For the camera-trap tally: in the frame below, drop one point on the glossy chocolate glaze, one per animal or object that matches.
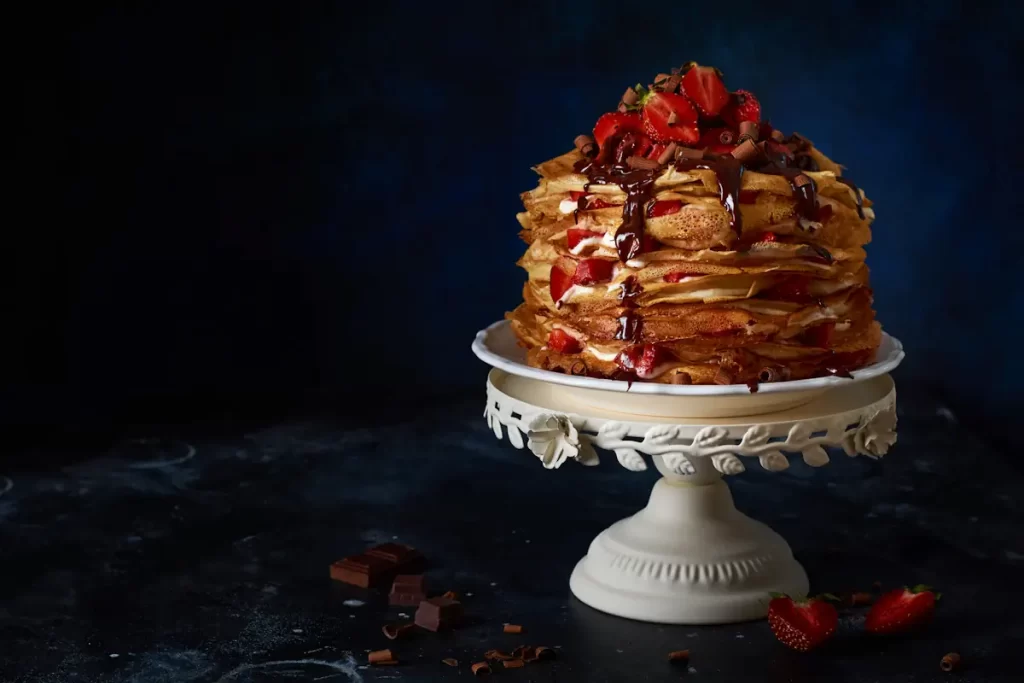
(729, 172)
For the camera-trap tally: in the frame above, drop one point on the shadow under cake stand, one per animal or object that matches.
(689, 557)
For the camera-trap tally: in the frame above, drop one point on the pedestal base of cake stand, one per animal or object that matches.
(689, 557)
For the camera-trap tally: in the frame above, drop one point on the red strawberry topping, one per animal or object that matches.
(794, 288)
(670, 118)
(801, 624)
(704, 86)
(748, 196)
(560, 283)
(642, 359)
(593, 270)
(591, 203)
(563, 342)
(901, 610)
(678, 276)
(664, 208)
(573, 236)
(820, 335)
(743, 106)
(614, 125)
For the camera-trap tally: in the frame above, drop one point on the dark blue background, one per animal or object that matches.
(262, 208)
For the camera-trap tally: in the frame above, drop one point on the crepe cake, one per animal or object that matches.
(688, 241)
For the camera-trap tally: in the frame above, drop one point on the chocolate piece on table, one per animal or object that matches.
(437, 614)
(408, 590)
(365, 571)
(406, 559)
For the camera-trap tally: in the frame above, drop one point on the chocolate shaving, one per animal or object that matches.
(861, 598)
(512, 628)
(497, 655)
(543, 652)
(801, 180)
(672, 119)
(778, 136)
(689, 153)
(450, 661)
(578, 369)
(682, 378)
(679, 656)
(586, 145)
(749, 129)
(630, 97)
(723, 376)
(521, 651)
(481, 669)
(746, 151)
(451, 595)
(514, 663)
(394, 631)
(672, 84)
(642, 163)
(769, 374)
(950, 661)
(622, 108)
(382, 657)
(668, 154)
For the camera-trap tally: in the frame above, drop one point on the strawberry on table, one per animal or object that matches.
(801, 624)
(703, 85)
(670, 118)
(743, 106)
(901, 610)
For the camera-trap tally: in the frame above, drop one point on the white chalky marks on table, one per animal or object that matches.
(353, 603)
(189, 453)
(298, 669)
(6, 484)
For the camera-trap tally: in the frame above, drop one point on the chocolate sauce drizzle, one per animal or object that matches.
(856, 191)
(630, 326)
(729, 172)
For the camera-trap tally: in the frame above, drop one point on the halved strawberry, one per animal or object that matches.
(664, 208)
(680, 275)
(563, 342)
(704, 86)
(801, 624)
(901, 610)
(560, 282)
(748, 196)
(615, 124)
(670, 118)
(642, 359)
(573, 236)
(649, 244)
(820, 335)
(593, 270)
(743, 106)
(592, 202)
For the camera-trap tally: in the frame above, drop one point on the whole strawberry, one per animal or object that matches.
(801, 624)
(901, 610)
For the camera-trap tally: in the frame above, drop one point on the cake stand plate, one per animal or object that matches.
(689, 557)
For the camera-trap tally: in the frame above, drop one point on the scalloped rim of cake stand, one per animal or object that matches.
(496, 345)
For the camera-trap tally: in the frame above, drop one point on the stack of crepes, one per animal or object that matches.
(689, 242)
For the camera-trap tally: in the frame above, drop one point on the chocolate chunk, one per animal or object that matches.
(630, 97)
(679, 656)
(408, 590)
(669, 154)
(382, 657)
(437, 614)
(512, 628)
(405, 556)
(689, 153)
(365, 571)
(637, 162)
(748, 130)
(746, 151)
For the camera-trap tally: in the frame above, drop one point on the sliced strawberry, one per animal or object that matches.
(820, 335)
(591, 202)
(593, 270)
(573, 236)
(629, 357)
(664, 208)
(678, 276)
(560, 282)
(704, 86)
(657, 149)
(642, 359)
(649, 243)
(901, 610)
(615, 124)
(670, 118)
(795, 288)
(743, 106)
(748, 196)
(563, 342)
(801, 624)
(824, 212)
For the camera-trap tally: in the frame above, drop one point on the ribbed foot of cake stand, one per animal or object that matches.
(688, 557)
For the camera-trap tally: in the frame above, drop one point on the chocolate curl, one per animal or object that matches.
(497, 655)
(481, 669)
(682, 378)
(802, 180)
(395, 631)
(543, 652)
(585, 145)
(746, 151)
(668, 154)
(630, 98)
(672, 119)
(723, 376)
(524, 652)
(636, 162)
(672, 83)
(777, 135)
(861, 598)
(512, 628)
(450, 661)
(382, 657)
(679, 656)
(578, 369)
(726, 137)
(622, 108)
(451, 595)
(748, 130)
(689, 153)
(950, 661)
(514, 663)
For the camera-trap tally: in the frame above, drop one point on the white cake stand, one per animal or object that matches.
(689, 557)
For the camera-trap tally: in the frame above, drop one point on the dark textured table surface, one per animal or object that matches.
(184, 558)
